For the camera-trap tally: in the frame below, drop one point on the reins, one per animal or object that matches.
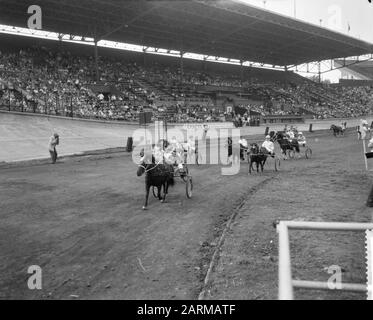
(146, 171)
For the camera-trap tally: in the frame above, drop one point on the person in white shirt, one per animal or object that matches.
(244, 145)
(190, 149)
(364, 130)
(174, 154)
(269, 145)
(290, 134)
(158, 154)
(301, 139)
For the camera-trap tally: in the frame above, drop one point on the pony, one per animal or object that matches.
(285, 144)
(159, 175)
(256, 155)
(337, 130)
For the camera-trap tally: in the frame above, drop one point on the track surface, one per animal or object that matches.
(81, 221)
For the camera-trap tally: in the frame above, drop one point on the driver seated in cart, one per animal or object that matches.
(174, 154)
(268, 146)
(301, 139)
(158, 154)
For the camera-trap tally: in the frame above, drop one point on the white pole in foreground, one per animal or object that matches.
(285, 278)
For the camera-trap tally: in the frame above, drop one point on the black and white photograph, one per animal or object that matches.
(188, 155)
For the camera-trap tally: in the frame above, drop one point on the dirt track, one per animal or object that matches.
(82, 222)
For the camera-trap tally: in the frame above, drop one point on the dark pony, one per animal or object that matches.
(258, 156)
(337, 130)
(284, 143)
(156, 175)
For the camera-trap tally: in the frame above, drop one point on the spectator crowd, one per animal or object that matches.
(60, 83)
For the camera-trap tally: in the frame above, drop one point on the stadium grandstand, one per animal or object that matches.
(190, 61)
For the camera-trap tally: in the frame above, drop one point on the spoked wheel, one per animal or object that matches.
(308, 153)
(189, 187)
(277, 164)
(185, 174)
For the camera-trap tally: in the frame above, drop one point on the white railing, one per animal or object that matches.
(286, 282)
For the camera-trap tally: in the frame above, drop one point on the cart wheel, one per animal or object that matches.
(308, 153)
(277, 164)
(184, 176)
(189, 187)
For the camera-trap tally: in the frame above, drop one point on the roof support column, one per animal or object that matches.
(204, 64)
(319, 71)
(96, 61)
(144, 56)
(143, 50)
(241, 71)
(181, 67)
(60, 35)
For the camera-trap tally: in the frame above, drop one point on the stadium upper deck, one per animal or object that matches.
(226, 28)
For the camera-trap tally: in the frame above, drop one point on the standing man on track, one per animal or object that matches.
(365, 130)
(53, 142)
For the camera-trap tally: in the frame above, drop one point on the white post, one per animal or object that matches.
(285, 278)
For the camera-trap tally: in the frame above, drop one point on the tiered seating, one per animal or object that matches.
(39, 80)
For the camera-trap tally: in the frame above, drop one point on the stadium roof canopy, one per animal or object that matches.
(224, 28)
